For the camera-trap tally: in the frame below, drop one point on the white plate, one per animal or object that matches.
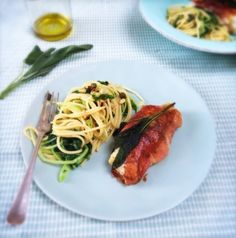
(91, 190)
(154, 13)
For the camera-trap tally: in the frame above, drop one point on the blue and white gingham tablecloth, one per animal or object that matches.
(117, 31)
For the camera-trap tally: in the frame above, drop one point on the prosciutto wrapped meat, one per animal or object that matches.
(152, 144)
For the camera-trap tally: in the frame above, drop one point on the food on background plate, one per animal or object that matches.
(225, 10)
(143, 141)
(85, 119)
(208, 19)
(198, 23)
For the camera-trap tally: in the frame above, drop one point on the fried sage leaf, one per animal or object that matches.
(128, 139)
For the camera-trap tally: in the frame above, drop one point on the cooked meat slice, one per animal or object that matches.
(153, 146)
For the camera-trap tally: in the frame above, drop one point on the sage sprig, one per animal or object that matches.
(127, 140)
(41, 63)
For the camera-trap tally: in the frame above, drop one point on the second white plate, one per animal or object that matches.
(154, 13)
(91, 190)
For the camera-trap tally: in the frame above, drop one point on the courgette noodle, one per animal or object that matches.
(87, 117)
(198, 22)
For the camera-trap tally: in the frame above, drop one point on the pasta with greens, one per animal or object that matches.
(87, 117)
(198, 23)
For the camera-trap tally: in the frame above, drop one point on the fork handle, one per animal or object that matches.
(17, 212)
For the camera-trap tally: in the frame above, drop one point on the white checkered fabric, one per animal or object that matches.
(117, 31)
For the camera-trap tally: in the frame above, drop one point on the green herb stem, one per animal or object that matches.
(14, 84)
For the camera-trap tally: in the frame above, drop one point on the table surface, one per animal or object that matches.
(117, 31)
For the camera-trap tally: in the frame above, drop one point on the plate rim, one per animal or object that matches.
(174, 39)
(102, 218)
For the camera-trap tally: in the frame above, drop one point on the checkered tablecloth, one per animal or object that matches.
(117, 31)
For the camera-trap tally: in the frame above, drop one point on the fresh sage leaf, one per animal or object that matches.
(33, 55)
(42, 62)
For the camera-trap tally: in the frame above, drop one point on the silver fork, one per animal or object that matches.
(17, 212)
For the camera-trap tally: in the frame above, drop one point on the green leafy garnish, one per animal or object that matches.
(68, 161)
(64, 171)
(104, 82)
(134, 105)
(33, 55)
(102, 97)
(41, 63)
(49, 140)
(124, 111)
(71, 143)
(128, 139)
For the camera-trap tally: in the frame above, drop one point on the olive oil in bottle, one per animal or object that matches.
(52, 26)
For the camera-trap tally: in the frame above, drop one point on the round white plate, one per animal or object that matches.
(91, 190)
(154, 13)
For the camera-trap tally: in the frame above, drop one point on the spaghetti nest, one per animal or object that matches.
(91, 113)
(87, 117)
(198, 23)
